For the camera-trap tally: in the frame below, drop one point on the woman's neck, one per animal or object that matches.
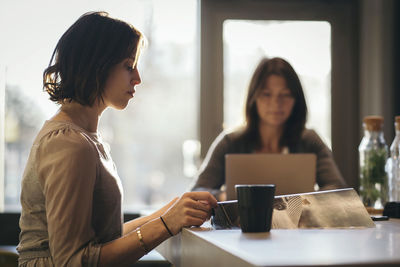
(83, 116)
(269, 138)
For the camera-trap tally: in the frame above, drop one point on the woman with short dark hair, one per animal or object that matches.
(276, 113)
(71, 194)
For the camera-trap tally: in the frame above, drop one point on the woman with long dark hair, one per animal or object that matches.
(276, 114)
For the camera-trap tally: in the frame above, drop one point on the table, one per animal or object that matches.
(204, 246)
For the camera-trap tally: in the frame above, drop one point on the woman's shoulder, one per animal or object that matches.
(309, 134)
(310, 138)
(60, 134)
(233, 141)
(233, 134)
(230, 136)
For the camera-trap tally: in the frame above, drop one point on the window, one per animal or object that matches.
(147, 138)
(247, 41)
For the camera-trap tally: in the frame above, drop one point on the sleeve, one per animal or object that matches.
(328, 174)
(211, 174)
(67, 166)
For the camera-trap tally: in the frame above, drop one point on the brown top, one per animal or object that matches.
(71, 198)
(373, 123)
(211, 176)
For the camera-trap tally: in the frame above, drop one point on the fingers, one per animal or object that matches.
(185, 215)
(203, 197)
(197, 209)
(192, 209)
(199, 205)
(198, 214)
(196, 201)
(193, 221)
(194, 217)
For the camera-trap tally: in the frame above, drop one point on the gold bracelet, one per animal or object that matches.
(142, 244)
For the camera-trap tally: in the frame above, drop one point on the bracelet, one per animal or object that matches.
(142, 244)
(169, 231)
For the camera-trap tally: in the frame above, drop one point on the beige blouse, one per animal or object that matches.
(71, 198)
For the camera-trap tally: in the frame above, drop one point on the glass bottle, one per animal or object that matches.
(394, 164)
(373, 153)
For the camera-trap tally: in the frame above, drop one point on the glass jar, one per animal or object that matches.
(373, 153)
(394, 164)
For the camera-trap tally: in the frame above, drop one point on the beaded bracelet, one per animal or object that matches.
(142, 244)
(169, 231)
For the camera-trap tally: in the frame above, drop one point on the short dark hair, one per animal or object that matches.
(84, 56)
(296, 122)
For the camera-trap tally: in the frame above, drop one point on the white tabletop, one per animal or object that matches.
(378, 246)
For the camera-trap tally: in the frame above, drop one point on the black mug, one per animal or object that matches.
(255, 203)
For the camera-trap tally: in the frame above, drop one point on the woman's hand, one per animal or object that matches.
(191, 209)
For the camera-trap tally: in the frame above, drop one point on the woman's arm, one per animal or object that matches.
(66, 167)
(133, 224)
(192, 209)
(328, 174)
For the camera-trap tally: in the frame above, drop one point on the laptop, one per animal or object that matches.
(291, 173)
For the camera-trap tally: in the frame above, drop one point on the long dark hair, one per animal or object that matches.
(85, 55)
(295, 124)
